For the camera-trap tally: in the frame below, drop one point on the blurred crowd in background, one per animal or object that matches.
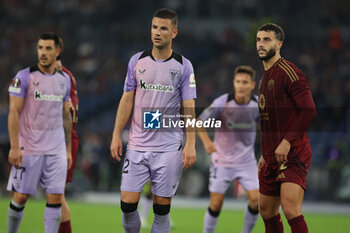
(101, 35)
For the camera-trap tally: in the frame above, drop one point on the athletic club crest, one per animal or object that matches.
(173, 74)
(63, 86)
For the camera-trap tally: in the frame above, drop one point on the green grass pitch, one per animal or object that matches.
(103, 218)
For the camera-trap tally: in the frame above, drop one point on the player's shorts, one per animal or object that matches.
(221, 177)
(163, 169)
(295, 171)
(75, 146)
(50, 170)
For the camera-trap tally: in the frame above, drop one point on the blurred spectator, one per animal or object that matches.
(336, 163)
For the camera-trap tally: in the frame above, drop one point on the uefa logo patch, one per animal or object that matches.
(151, 120)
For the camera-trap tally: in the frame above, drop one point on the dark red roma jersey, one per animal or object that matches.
(286, 107)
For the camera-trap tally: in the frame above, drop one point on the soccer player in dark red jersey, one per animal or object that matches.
(286, 111)
(65, 226)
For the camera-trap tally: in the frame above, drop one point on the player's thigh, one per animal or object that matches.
(54, 198)
(54, 174)
(291, 199)
(130, 197)
(216, 201)
(25, 178)
(220, 179)
(253, 197)
(20, 198)
(135, 171)
(269, 205)
(166, 171)
(161, 200)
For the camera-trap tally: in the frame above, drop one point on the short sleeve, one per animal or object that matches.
(188, 82)
(68, 83)
(130, 80)
(19, 84)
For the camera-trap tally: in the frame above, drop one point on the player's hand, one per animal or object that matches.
(15, 157)
(116, 148)
(209, 147)
(282, 151)
(70, 105)
(69, 159)
(188, 156)
(261, 163)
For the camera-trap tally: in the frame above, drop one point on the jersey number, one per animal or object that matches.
(21, 172)
(127, 163)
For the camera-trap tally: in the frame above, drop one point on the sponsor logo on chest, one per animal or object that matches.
(48, 97)
(155, 87)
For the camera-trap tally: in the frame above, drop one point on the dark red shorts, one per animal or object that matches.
(295, 170)
(70, 172)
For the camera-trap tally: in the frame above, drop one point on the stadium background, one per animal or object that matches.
(100, 36)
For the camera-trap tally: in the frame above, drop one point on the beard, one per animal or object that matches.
(268, 55)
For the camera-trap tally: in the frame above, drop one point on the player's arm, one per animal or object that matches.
(124, 110)
(213, 111)
(208, 144)
(67, 125)
(189, 152)
(296, 126)
(16, 106)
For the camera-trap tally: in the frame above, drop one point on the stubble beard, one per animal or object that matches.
(270, 54)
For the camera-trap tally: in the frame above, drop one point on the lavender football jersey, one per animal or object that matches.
(158, 85)
(41, 123)
(234, 142)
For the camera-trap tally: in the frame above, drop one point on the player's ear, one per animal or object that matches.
(279, 44)
(58, 51)
(175, 32)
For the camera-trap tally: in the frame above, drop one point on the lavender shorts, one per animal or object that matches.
(163, 169)
(50, 170)
(221, 177)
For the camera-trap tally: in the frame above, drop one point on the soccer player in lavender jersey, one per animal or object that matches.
(233, 147)
(163, 79)
(65, 226)
(40, 126)
(286, 110)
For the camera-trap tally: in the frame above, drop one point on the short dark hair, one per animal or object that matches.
(165, 13)
(245, 69)
(60, 45)
(279, 33)
(50, 36)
